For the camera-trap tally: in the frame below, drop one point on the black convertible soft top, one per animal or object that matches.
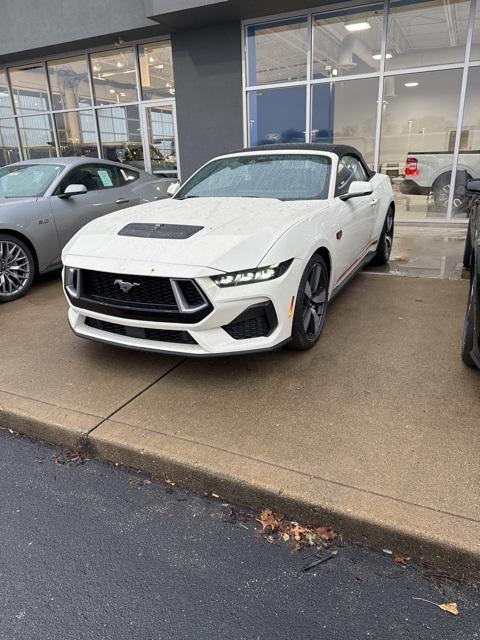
(339, 149)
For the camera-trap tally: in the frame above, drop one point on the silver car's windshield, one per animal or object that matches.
(27, 180)
(280, 176)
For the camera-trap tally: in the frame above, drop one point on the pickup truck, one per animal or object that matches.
(430, 173)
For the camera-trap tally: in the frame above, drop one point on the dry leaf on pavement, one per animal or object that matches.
(270, 520)
(402, 560)
(449, 607)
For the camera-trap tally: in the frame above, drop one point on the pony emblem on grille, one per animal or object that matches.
(125, 287)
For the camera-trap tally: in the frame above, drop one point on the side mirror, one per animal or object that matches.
(473, 186)
(73, 190)
(173, 188)
(358, 188)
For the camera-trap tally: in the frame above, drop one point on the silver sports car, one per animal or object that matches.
(43, 203)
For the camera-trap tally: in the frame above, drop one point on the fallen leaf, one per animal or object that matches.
(325, 533)
(449, 607)
(285, 537)
(402, 560)
(270, 520)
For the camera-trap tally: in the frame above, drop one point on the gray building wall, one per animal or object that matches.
(207, 65)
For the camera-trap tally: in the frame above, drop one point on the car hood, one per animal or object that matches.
(235, 233)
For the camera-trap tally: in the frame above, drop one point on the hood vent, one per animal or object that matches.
(159, 231)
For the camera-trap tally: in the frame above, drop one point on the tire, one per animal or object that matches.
(385, 242)
(467, 254)
(468, 339)
(17, 268)
(441, 194)
(311, 305)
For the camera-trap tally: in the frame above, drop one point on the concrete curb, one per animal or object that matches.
(426, 535)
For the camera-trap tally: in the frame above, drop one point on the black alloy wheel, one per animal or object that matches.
(468, 340)
(385, 243)
(311, 305)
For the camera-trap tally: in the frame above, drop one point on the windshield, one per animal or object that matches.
(280, 176)
(27, 180)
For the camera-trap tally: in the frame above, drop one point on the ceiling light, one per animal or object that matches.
(378, 56)
(112, 90)
(151, 59)
(358, 26)
(411, 84)
(159, 66)
(119, 64)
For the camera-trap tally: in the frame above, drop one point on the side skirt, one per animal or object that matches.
(344, 283)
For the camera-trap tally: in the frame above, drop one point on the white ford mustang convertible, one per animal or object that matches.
(245, 256)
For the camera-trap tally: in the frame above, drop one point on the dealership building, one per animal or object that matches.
(167, 84)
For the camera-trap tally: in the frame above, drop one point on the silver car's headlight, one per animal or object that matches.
(260, 274)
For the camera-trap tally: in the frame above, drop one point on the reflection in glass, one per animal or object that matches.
(347, 42)
(5, 102)
(344, 112)
(114, 77)
(8, 142)
(36, 137)
(475, 51)
(156, 70)
(277, 115)
(426, 33)
(69, 83)
(120, 135)
(76, 133)
(277, 51)
(469, 158)
(29, 88)
(418, 137)
(161, 140)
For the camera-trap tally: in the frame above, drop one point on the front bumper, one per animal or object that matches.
(219, 333)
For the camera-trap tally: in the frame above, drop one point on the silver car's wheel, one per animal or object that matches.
(16, 268)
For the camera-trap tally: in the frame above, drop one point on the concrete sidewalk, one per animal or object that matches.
(375, 431)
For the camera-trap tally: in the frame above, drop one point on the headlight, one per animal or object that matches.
(252, 275)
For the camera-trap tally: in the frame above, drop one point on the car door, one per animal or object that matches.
(356, 218)
(105, 193)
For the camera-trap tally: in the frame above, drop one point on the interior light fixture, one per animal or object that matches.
(112, 90)
(411, 84)
(119, 64)
(378, 56)
(358, 26)
(151, 59)
(159, 66)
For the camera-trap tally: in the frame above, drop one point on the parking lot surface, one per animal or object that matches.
(374, 430)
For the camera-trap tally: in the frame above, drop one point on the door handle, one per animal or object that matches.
(373, 202)
(122, 201)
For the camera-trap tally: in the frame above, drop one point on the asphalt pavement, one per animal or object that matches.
(95, 551)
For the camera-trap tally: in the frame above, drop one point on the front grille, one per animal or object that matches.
(147, 298)
(146, 290)
(158, 335)
(258, 321)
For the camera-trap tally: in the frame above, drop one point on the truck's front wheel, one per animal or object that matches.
(441, 195)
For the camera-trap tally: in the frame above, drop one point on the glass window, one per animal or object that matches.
(94, 177)
(469, 158)
(5, 102)
(36, 136)
(29, 181)
(475, 51)
(349, 170)
(120, 135)
(29, 88)
(114, 77)
(8, 142)
(156, 70)
(345, 112)
(283, 176)
(277, 51)
(418, 136)
(69, 83)
(347, 42)
(426, 33)
(277, 115)
(76, 133)
(161, 140)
